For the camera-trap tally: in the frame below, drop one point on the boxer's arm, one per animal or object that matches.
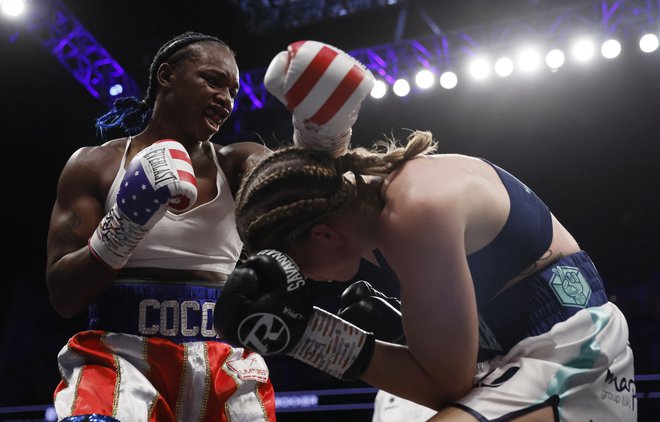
(394, 369)
(423, 240)
(74, 276)
(265, 307)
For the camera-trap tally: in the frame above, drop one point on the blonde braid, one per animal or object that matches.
(305, 170)
(373, 163)
(286, 194)
(295, 188)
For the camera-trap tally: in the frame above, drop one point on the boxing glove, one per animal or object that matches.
(265, 307)
(159, 177)
(372, 311)
(323, 88)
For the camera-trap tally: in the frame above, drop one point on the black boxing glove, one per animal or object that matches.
(265, 307)
(372, 311)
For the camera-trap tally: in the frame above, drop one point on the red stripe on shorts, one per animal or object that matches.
(266, 394)
(165, 363)
(97, 389)
(338, 98)
(310, 76)
(222, 386)
(161, 411)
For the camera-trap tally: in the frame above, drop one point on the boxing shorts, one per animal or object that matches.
(554, 339)
(151, 354)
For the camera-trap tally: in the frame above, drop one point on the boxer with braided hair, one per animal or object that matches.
(504, 316)
(310, 186)
(143, 236)
(130, 115)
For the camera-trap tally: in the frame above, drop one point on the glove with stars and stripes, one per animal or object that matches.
(159, 177)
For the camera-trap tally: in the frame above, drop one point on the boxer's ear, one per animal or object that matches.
(324, 233)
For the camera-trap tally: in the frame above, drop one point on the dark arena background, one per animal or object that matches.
(583, 132)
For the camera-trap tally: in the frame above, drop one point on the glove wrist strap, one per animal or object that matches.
(334, 145)
(115, 238)
(334, 346)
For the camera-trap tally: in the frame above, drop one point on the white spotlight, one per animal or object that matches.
(424, 78)
(583, 50)
(379, 90)
(555, 59)
(401, 87)
(528, 60)
(479, 68)
(13, 7)
(504, 67)
(610, 49)
(448, 80)
(648, 43)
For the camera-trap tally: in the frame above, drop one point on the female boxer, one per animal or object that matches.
(505, 317)
(143, 235)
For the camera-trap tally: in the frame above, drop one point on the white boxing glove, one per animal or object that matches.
(159, 177)
(324, 88)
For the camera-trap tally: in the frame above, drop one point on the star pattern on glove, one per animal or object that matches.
(141, 204)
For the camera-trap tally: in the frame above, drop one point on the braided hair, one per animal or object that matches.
(129, 115)
(295, 188)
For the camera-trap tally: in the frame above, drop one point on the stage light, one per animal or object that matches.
(401, 87)
(648, 43)
(504, 67)
(610, 49)
(583, 50)
(479, 68)
(448, 80)
(379, 90)
(555, 59)
(13, 8)
(424, 78)
(528, 60)
(116, 89)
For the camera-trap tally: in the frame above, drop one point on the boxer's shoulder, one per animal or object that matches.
(237, 158)
(105, 154)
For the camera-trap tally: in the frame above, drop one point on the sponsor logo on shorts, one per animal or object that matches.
(252, 368)
(623, 393)
(570, 286)
(487, 381)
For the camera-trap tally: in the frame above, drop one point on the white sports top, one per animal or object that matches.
(203, 238)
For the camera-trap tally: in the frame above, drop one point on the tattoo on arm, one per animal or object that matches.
(67, 232)
(543, 261)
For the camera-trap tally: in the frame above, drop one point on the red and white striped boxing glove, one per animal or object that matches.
(324, 88)
(159, 177)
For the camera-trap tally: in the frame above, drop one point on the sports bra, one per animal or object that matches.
(203, 238)
(525, 237)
